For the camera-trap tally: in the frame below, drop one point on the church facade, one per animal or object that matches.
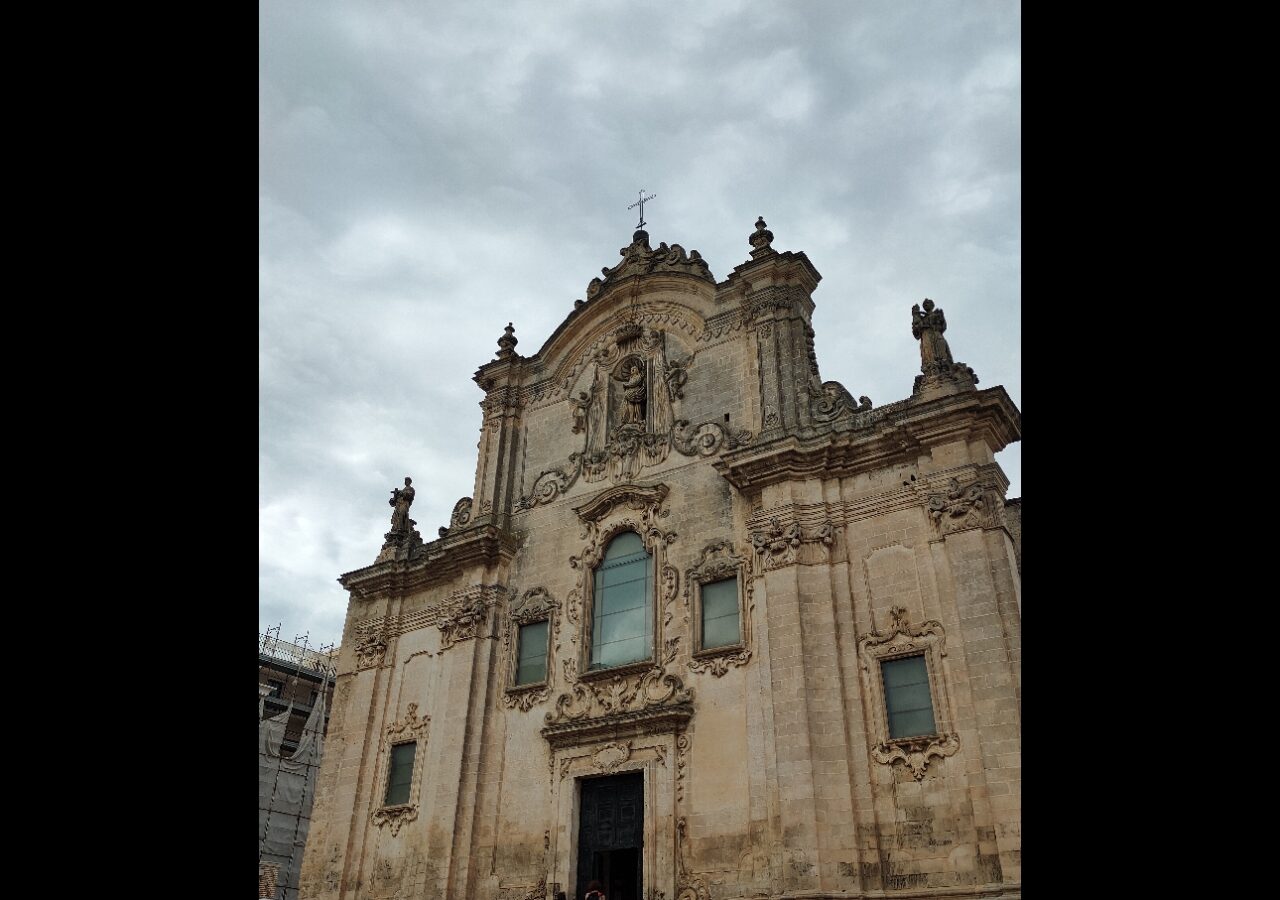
(708, 627)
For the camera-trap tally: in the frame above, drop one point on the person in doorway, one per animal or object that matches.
(595, 891)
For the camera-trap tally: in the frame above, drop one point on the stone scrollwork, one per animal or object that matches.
(469, 616)
(638, 258)
(778, 545)
(689, 885)
(410, 728)
(903, 639)
(611, 755)
(620, 694)
(972, 506)
(371, 643)
(915, 752)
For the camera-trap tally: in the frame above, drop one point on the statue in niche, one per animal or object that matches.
(927, 327)
(401, 500)
(633, 394)
(582, 409)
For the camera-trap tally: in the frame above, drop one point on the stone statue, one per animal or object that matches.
(633, 391)
(401, 500)
(581, 409)
(927, 327)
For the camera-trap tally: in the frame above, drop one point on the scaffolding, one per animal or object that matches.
(287, 781)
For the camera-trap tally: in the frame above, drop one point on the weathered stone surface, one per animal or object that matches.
(693, 413)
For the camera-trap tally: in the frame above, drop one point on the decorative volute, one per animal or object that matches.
(639, 259)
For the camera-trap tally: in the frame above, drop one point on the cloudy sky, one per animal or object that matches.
(430, 171)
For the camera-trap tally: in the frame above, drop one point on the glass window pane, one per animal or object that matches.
(620, 626)
(401, 773)
(622, 616)
(636, 570)
(721, 631)
(533, 653)
(720, 598)
(624, 544)
(911, 724)
(619, 653)
(911, 670)
(907, 697)
(629, 595)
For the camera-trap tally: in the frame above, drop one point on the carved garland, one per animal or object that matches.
(371, 642)
(406, 730)
(973, 506)
(904, 639)
(537, 605)
(718, 561)
(468, 619)
(780, 546)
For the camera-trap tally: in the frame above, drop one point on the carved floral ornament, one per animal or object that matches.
(469, 616)
(716, 562)
(410, 728)
(779, 545)
(972, 506)
(905, 639)
(371, 642)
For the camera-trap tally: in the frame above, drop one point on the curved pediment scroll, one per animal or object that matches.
(638, 258)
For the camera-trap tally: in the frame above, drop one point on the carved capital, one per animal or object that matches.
(778, 545)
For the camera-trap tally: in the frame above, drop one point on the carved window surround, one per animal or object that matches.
(718, 561)
(410, 729)
(903, 639)
(605, 516)
(535, 606)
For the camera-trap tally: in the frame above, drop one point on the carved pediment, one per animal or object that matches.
(638, 258)
(633, 496)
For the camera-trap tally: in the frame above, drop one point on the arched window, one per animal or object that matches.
(622, 608)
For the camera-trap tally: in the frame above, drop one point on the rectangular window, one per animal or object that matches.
(720, 614)
(315, 695)
(532, 664)
(907, 697)
(277, 687)
(401, 773)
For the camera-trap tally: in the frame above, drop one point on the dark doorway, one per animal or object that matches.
(611, 835)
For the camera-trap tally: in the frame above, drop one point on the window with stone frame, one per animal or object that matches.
(717, 591)
(622, 607)
(909, 706)
(400, 770)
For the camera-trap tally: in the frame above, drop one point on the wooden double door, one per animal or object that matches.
(611, 835)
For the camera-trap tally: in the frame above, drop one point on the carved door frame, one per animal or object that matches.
(652, 755)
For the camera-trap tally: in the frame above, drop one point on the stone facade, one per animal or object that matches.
(692, 412)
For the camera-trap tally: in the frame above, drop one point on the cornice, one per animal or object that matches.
(437, 562)
(637, 723)
(900, 437)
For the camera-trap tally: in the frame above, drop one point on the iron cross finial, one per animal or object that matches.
(640, 203)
